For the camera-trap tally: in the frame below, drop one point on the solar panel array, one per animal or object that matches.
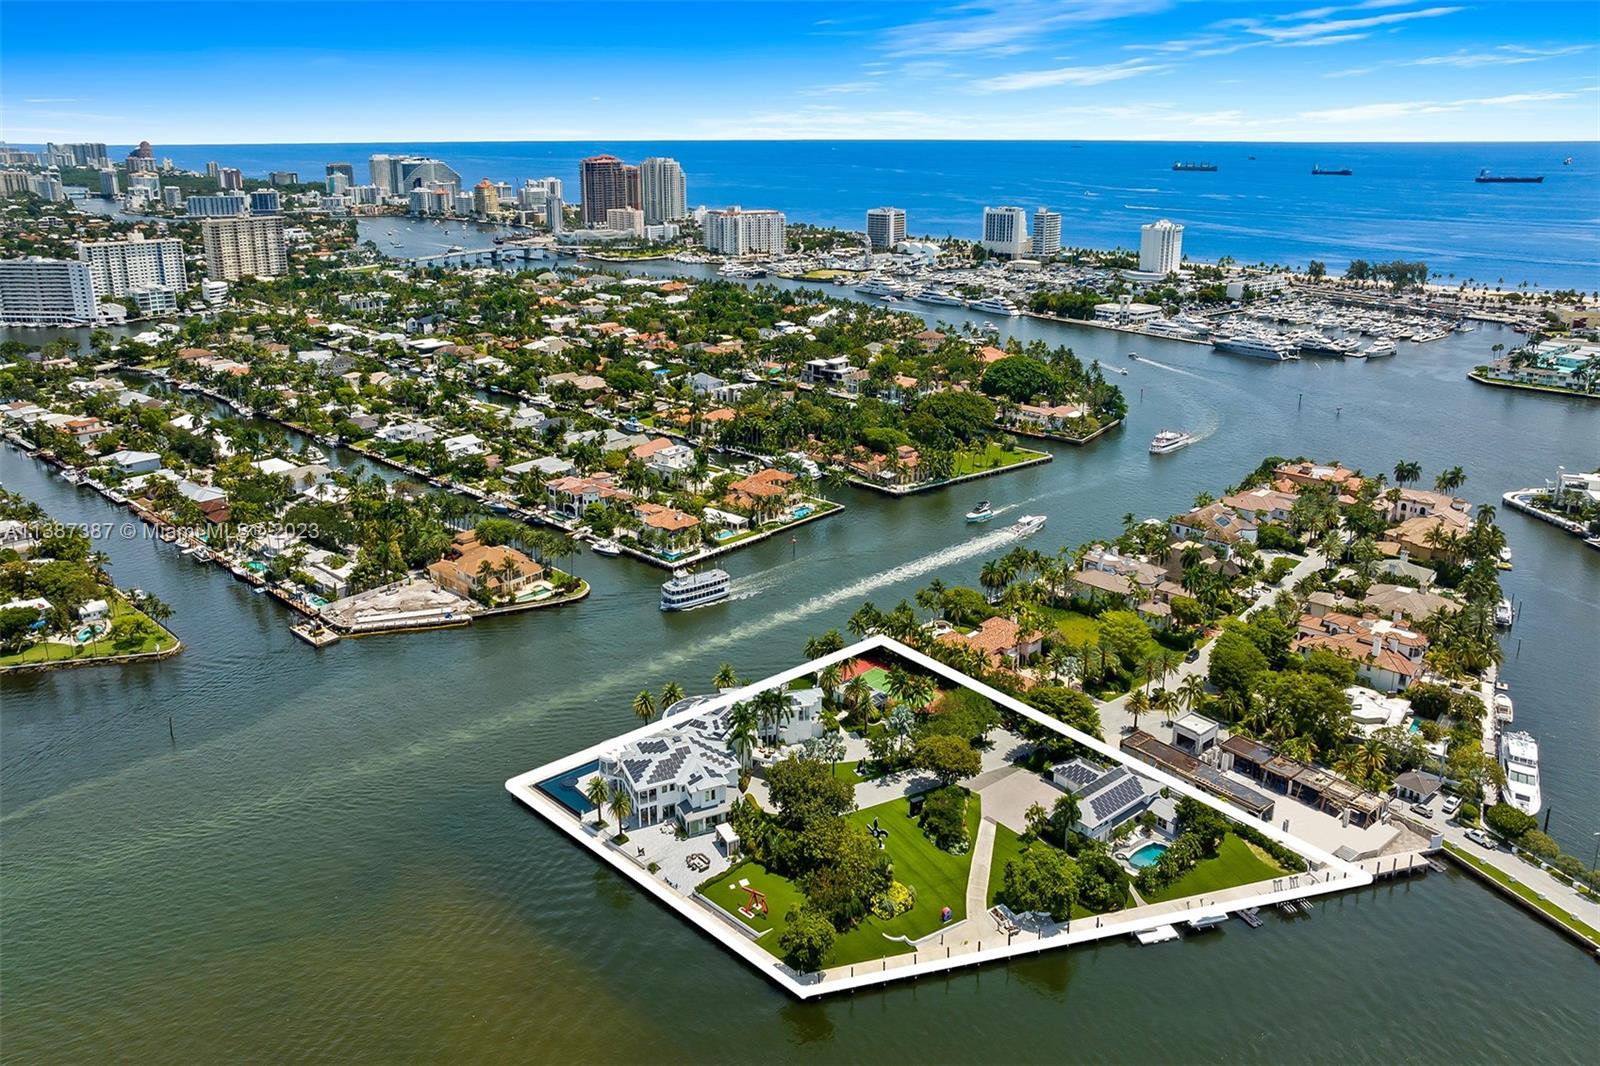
(1118, 796)
(1078, 772)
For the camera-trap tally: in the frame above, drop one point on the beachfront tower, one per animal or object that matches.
(886, 227)
(1160, 247)
(1046, 233)
(661, 191)
(1005, 231)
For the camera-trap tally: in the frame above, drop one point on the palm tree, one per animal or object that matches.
(743, 731)
(772, 708)
(644, 705)
(1164, 701)
(1138, 703)
(1450, 480)
(1407, 472)
(1192, 692)
(621, 806)
(597, 792)
(671, 693)
(857, 696)
(725, 677)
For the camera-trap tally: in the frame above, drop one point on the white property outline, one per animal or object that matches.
(1335, 874)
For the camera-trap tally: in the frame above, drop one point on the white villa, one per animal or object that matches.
(687, 776)
(1106, 798)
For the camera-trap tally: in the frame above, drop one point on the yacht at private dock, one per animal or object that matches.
(1519, 758)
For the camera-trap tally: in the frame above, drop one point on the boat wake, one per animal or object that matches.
(1147, 361)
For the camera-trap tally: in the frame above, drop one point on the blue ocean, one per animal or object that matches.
(1262, 204)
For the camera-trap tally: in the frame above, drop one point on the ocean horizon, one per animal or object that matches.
(1263, 204)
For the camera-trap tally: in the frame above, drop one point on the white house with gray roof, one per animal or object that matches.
(687, 776)
(1106, 798)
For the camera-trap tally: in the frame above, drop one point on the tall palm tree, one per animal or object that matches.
(1138, 703)
(621, 805)
(744, 726)
(644, 705)
(725, 677)
(597, 792)
(1192, 692)
(772, 709)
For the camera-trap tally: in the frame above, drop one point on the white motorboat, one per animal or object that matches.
(879, 287)
(933, 295)
(981, 513)
(1028, 525)
(1503, 709)
(1504, 614)
(1519, 757)
(609, 548)
(1170, 440)
(1380, 348)
(685, 591)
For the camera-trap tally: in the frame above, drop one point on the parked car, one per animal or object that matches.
(1452, 804)
(1192, 655)
(1422, 809)
(1480, 838)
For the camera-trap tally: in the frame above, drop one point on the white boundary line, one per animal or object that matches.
(1336, 874)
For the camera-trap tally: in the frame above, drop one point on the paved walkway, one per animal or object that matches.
(978, 877)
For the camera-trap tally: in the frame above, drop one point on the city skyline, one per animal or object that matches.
(1369, 70)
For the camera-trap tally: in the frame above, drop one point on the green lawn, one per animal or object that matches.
(1008, 847)
(940, 880)
(156, 639)
(1550, 908)
(1076, 628)
(1236, 863)
(990, 456)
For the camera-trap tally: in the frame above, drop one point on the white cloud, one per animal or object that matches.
(1413, 108)
(1080, 75)
(1505, 55)
(1326, 27)
(996, 28)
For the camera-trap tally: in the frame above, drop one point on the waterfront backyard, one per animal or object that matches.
(938, 877)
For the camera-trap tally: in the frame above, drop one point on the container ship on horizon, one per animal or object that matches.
(1203, 167)
(1486, 178)
(1331, 172)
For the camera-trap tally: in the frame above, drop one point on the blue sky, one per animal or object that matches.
(354, 70)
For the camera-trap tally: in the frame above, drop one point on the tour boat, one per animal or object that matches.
(981, 513)
(1028, 525)
(609, 548)
(1519, 757)
(685, 591)
(1504, 615)
(1170, 440)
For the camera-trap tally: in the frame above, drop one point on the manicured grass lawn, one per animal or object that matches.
(157, 638)
(1076, 629)
(846, 771)
(975, 460)
(1550, 908)
(940, 880)
(1236, 863)
(1008, 847)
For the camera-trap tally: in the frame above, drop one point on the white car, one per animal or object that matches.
(1451, 805)
(1480, 838)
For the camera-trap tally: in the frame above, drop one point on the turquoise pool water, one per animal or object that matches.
(1146, 856)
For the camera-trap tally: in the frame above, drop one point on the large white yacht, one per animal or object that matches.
(685, 591)
(880, 287)
(1519, 757)
(1170, 440)
(995, 305)
(933, 295)
(1255, 346)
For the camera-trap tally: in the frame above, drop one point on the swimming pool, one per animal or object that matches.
(564, 789)
(1146, 856)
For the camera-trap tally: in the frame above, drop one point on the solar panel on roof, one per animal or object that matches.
(1113, 799)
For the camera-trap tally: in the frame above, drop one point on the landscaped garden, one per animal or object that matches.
(936, 878)
(991, 456)
(1237, 862)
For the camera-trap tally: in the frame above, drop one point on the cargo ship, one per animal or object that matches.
(1331, 172)
(1486, 178)
(1205, 167)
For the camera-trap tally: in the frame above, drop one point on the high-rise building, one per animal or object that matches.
(1005, 230)
(46, 292)
(605, 185)
(1046, 233)
(125, 267)
(625, 219)
(265, 202)
(886, 227)
(84, 154)
(217, 205)
(381, 172)
(230, 178)
(413, 172)
(1160, 247)
(284, 177)
(733, 231)
(142, 160)
(172, 196)
(346, 169)
(630, 179)
(485, 199)
(245, 247)
(336, 183)
(108, 184)
(213, 170)
(555, 213)
(47, 186)
(662, 196)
